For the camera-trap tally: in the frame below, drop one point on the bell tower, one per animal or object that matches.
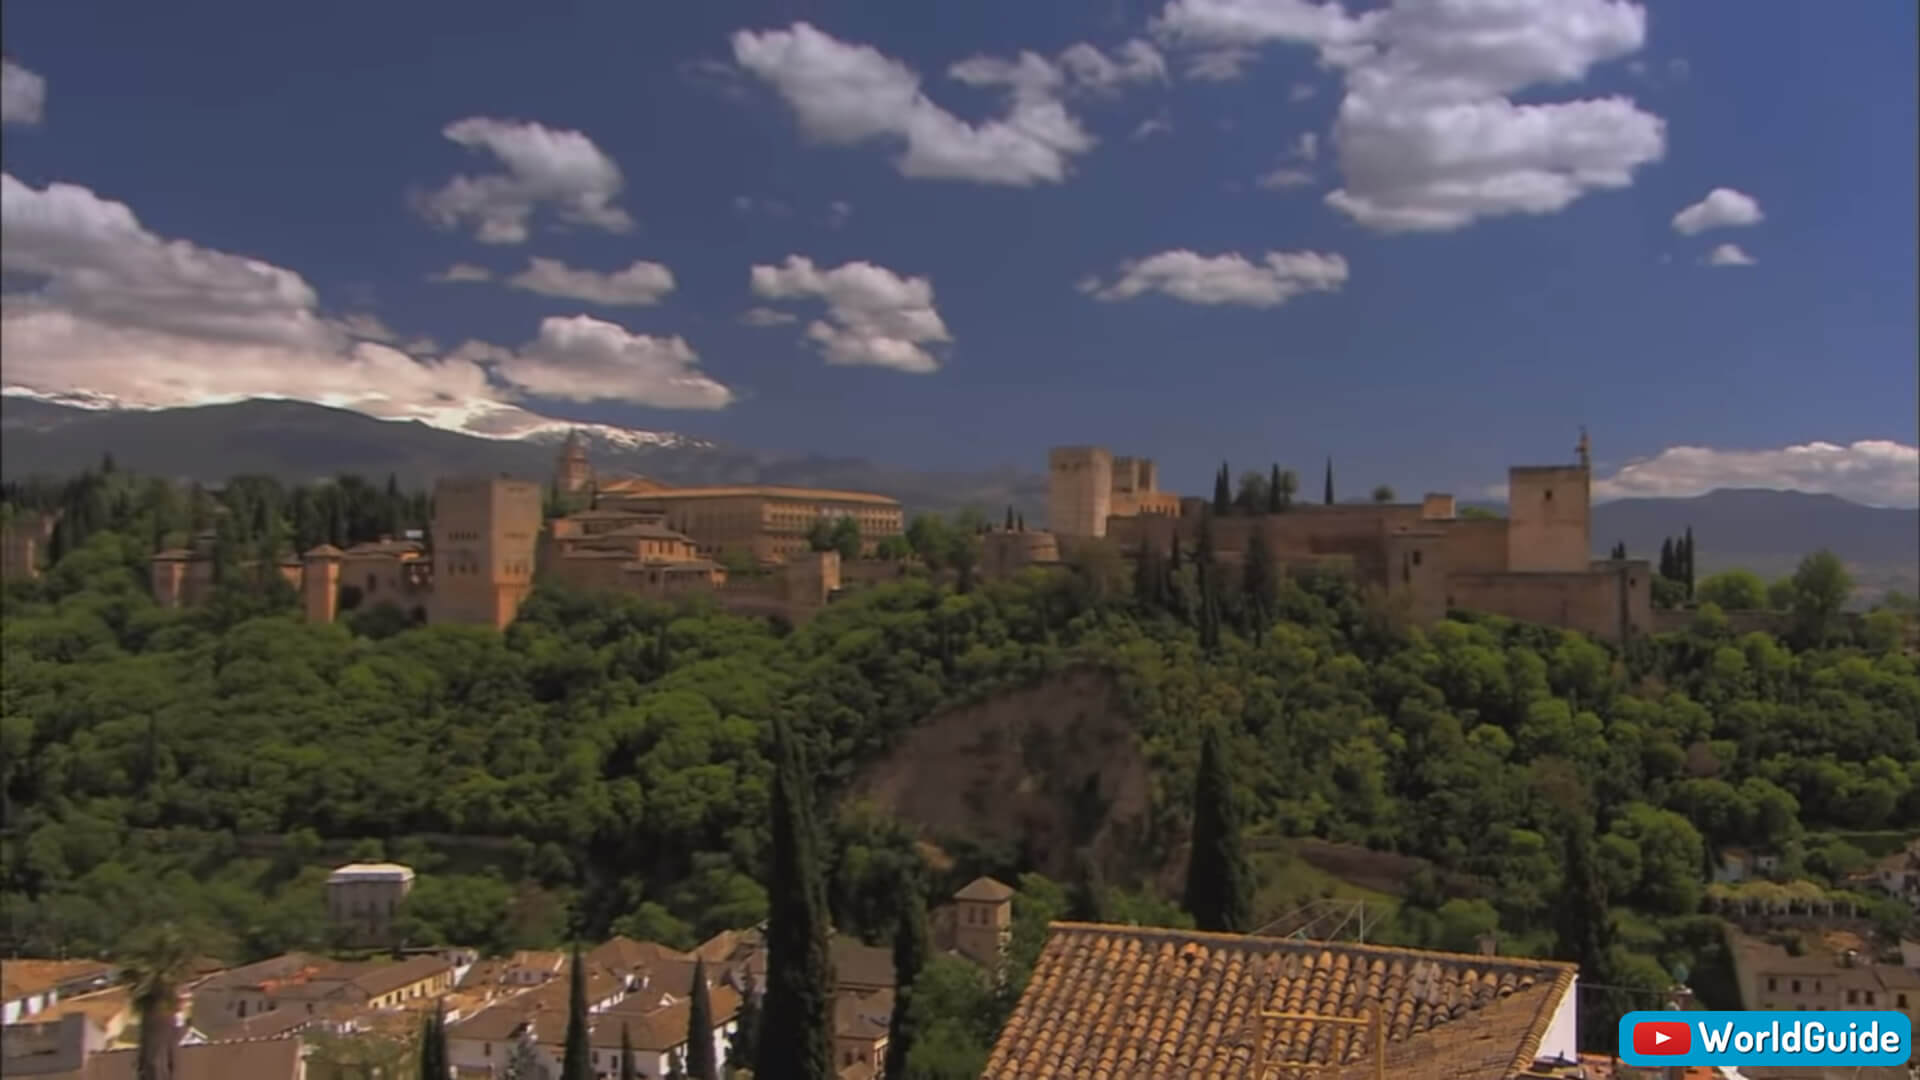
(572, 474)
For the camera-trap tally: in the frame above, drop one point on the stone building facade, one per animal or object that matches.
(764, 522)
(1536, 564)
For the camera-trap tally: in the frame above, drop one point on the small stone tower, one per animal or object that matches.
(983, 922)
(320, 583)
(1079, 491)
(572, 475)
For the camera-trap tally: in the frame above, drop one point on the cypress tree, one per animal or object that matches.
(1222, 491)
(1257, 582)
(1219, 886)
(910, 951)
(433, 1046)
(1020, 522)
(796, 1036)
(1146, 577)
(1666, 559)
(1009, 517)
(743, 1048)
(1329, 481)
(626, 1052)
(1276, 501)
(1581, 919)
(577, 1061)
(1619, 551)
(1689, 562)
(700, 1063)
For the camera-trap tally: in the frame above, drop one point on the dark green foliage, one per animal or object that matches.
(911, 948)
(1279, 490)
(626, 1052)
(743, 1048)
(576, 1062)
(1329, 492)
(1583, 930)
(1687, 564)
(1258, 582)
(1619, 551)
(700, 1062)
(1223, 491)
(796, 1036)
(434, 1063)
(1219, 892)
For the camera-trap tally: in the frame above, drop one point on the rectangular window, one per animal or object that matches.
(1796, 986)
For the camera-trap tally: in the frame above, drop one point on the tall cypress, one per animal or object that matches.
(910, 951)
(626, 1052)
(744, 1047)
(1689, 563)
(1222, 491)
(1219, 885)
(433, 1046)
(1276, 501)
(1666, 558)
(1329, 497)
(1582, 922)
(1257, 582)
(577, 1062)
(1009, 517)
(796, 1034)
(700, 1063)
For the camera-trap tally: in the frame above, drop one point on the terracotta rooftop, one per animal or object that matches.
(1131, 1003)
(985, 889)
(24, 978)
(660, 1029)
(268, 1059)
(390, 977)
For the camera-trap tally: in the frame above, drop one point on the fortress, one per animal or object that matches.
(1536, 564)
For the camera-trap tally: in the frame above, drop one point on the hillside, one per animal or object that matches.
(297, 441)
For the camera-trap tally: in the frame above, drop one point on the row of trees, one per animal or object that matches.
(1271, 492)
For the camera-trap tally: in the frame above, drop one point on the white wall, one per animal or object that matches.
(1562, 1038)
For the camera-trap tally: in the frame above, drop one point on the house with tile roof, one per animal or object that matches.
(268, 1059)
(1137, 1003)
(29, 985)
(860, 1026)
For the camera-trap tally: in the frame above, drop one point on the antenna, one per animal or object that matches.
(1585, 449)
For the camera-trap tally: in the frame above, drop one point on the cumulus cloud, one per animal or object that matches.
(1224, 279)
(1427, 136)
(1219, 65)
(766, 316)
(23, 95)
(1729, 255)
(1300, 92)
(461, 271)
(875, 317)
(1722, 208)
(1135, 62)
(580, 358)
(1878, 472)
(639, 285)
(547, 167)
(123, 314)
(844, 94)
(1159, 123)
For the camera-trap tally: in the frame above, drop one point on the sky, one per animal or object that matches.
(1427, 239)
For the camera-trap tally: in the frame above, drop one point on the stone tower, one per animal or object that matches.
(486, 531)
(1079, 491)
(1550, 516)
(572, 475)
(320, 583)
(983, 922)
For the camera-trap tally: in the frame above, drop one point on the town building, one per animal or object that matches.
(1535, 564)
(24, 537)
(1127, 1001)
(363, 898)
(1821, 977)
(764, 522)
(30, 986)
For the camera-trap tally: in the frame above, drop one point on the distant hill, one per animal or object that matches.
(297, 441)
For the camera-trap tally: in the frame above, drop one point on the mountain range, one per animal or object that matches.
(1764, 530)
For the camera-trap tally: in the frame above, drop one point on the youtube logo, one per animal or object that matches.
(1662, 1037)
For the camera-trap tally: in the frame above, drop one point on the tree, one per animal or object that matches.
(845, 538)
(1669, 567)
(1821, 586)
(744, 1047)
(577, 1062)
(820, 535)
(1383, 494)
(1280, 485)
(910, 952)
(626, 1052)
(1009, 525)
(796, 1036)
(158, 961)
(433, 1046)
(1222, 491)
(1734, 590)
(523, 1060)
(1329, 494)
(1688, 565)
(1619, 551)
(1583, 925)
(1253, 496)
(700, 1063)
(1257, 581)
(1219, 892)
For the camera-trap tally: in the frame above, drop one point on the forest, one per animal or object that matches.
(605, 764)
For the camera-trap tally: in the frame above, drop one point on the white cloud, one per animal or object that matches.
(1306, 147)
(1159, 123)
(839, 211)
(1722, 208)
(875, 317)
(845, 94)
(23, 95)
(1878, 472)
(766, 316)
(639, 285)
(545, 167)
(747, 204)
(580, 358)
(1729, 255)
(461, 271)
(1300, 92)
(1284, 179)
(1224, 279)
(1135, 62)
(1426, 134)
(147, 322)
(1219, 65)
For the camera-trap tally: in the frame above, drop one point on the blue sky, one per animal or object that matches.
(1429, 240)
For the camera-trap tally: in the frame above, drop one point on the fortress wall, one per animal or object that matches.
(1587, 601)
(1476, 545)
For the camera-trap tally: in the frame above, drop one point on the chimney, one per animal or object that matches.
(1489, 944)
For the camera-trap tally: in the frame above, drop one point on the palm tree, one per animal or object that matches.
(159, 960)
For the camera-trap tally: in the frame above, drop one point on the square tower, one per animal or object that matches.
(1549, 519)
(485, 532)
(1079, 490)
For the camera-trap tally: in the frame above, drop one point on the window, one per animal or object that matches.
(1869, 997)
(1549, 494)
(1851, 996)
(486, 1049)
(1416, 558)
(1796, 986)
(1902, 999)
